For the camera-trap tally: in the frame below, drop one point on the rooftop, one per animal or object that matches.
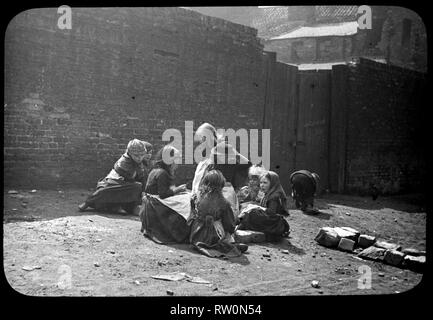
(329, 65)
(317, 66)
(336, 11)
(321, 30)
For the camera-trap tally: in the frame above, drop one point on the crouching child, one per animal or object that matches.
(120, 191)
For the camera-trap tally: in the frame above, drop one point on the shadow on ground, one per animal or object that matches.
(242, 260)
(17, 217)
(318, 214)
(284, 244)
(407, 203)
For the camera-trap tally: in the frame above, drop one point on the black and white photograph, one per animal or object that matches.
(215, 151)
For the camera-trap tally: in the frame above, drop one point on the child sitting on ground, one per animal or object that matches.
(269, 219)
(251, 192)
(120, 191)
(213, 220)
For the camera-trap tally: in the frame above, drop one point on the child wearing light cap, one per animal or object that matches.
(251, 192)
(121, 189)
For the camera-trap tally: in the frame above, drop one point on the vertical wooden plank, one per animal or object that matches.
(338, 123)
(279, 115)
(277, 130)
(293, 114)
(267, 108)
(270, 112)
(313, 119)
(281, 151)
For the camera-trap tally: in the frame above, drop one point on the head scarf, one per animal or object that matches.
(148, 146)
(206, 129)
(220, 154)
(275, 190)
(136, 147)
(159, 158)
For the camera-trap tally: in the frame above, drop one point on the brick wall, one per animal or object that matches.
(241, 15)
(282, 48)
(386, 135)
(411, 53)
(270, 21)
(389, 39)
(275, 21)
(74, 98)
(315, 50)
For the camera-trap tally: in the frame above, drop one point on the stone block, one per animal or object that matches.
(372, 253)
(247, 236)
(387, 245)
(394, 258)
(346, 245)
(347, 233)
(414, 263)
(413, 252)
(356, 232)
(365, 241)
(327, 237)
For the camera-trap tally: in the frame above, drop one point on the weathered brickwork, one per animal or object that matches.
(398, 36)
(315, 50)
(385, 129)
(74, 98)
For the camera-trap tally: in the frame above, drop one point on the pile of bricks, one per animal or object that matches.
(367, 247)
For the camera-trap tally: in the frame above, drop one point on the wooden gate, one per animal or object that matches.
(297, 110)
(312, 124)
(279, 108)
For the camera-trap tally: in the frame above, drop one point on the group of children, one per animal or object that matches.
(262, 205)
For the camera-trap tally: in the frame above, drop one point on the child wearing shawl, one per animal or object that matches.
(161, 179)
(120, 191)
(270, 218)
(160, 221)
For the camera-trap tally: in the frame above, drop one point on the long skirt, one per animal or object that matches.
(165, 221)
(230, 195)
(273, 226)
(209, 238)
(112, 193)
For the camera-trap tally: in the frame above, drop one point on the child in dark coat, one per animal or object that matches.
(270, 218)
(213, 220)
(121, 189)
(304, 187)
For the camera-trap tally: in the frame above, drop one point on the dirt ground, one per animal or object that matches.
(99, 254)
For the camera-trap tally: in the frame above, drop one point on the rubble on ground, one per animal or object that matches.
(372, 253)
(414, 263)
(346, 245)
(348, 233)
(387, 245)
(367, 247)
(327, 237)
(365, 241)
(393, 257)
(248, 236)
(413, 252)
